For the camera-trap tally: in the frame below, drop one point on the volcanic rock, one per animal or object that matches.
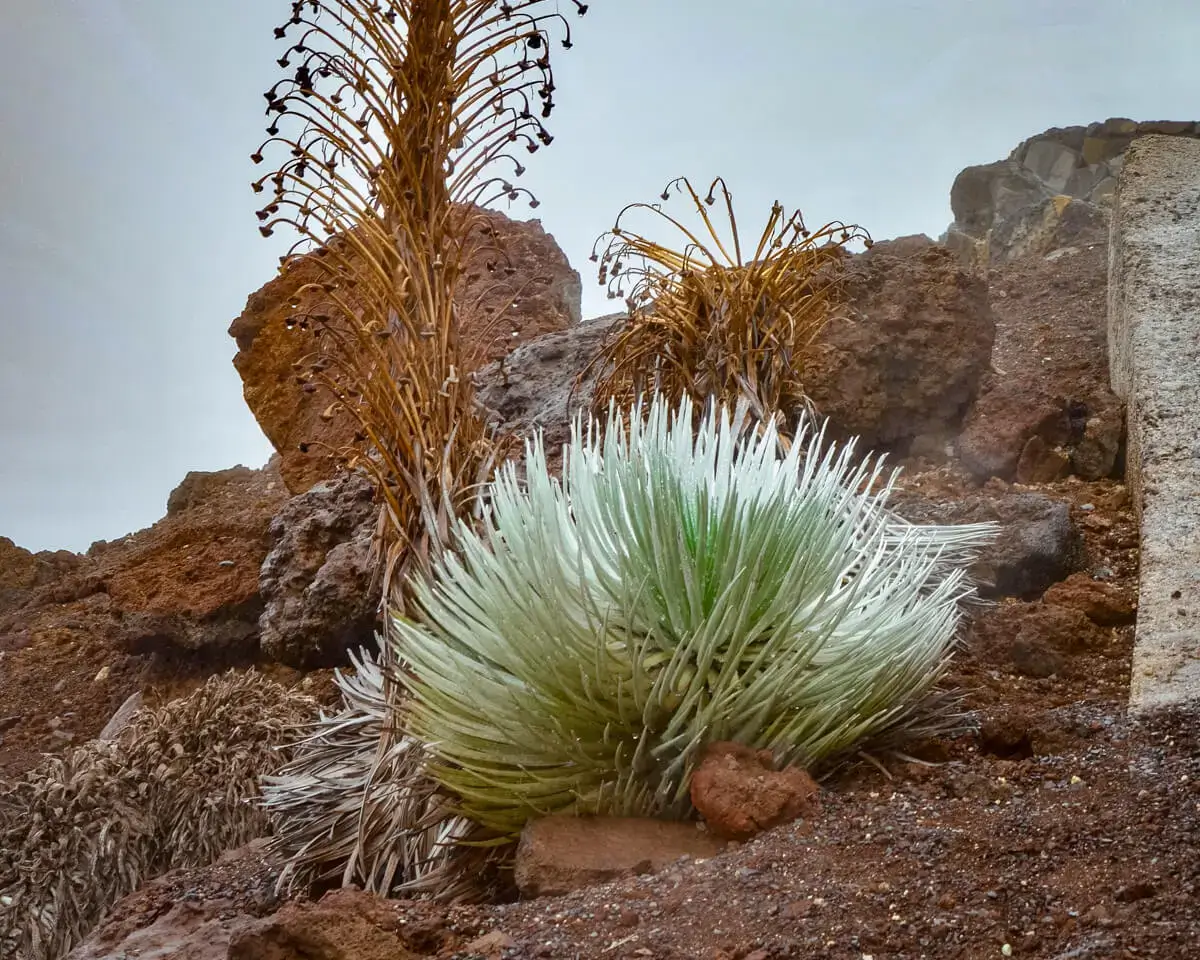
(1038, 543)
(739, 792)
(530, 289)
(1053, 190)
(907, 358)
(316, 581)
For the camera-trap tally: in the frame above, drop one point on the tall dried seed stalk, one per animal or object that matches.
(709, 322)
(396, 123)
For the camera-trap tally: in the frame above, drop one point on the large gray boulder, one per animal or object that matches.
(316, 581)
(1053, 190)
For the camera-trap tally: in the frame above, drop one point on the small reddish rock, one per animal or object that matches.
(344, 925)
(739, 793)
(491, 945)
(1103, 603)
(1041, 463)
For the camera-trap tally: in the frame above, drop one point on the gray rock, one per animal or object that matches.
(1038, 544)
(987, 195)
(535, 386)
(1013, 208)
(316, 581)
(1053, 163)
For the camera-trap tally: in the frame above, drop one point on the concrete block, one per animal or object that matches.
(1154, 356)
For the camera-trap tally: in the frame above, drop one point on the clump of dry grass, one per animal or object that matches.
(356, 805)
(175, 789)
(708, 318)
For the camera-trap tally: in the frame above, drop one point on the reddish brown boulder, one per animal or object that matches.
(1105, 604)
(562, 853)
(1047, 635)
(907, 359)
(1001, 425)
(1038, 639)
(530, 290)
(1064, 628)
(740, 794)
(1049, 375)
(344, 925)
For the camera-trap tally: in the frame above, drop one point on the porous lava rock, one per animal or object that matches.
(316, 582)
(518, 286)
(739, 792)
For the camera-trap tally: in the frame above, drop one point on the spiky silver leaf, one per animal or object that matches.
(675, 588)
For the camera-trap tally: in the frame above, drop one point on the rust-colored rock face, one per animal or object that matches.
(907, 358)
(1048, 380)
(77, 645)
(530, 290)
(345, 925)
(1105, 604)
(22, 571)
(739, 792)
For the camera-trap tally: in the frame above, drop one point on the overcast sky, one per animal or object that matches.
(128, 241)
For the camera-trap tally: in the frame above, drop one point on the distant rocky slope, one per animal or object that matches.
(1052, 190)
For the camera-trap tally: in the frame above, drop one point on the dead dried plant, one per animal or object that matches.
(84, 829)
(708, 318)
(398, 123)
(395, 121)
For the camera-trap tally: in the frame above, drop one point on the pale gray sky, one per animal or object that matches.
(127, 235)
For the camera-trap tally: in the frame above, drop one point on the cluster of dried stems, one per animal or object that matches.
(708, 322)
(398, 123)
(84, 829)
